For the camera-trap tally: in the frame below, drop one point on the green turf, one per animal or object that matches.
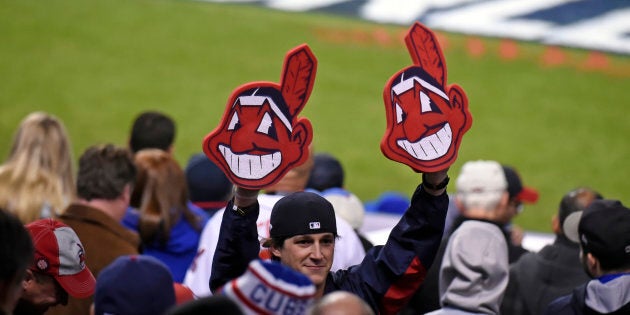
(97, 64)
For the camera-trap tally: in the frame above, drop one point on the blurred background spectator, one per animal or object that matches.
(16, 250)
(152, 130)
(169, 230)
(134, 284)
(37, 179)
(209, 188)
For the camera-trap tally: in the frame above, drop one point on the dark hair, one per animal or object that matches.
(326, 173)
(104, 171)
(152, 130)
(607, 264)
(274, 242)
(576, 200)
(16, 248)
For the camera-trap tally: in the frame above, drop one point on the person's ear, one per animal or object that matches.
(459, 204)
(126, 194)
(555, 224)
(29, 277)
(592, 263)
(275, 251)
(505, 200)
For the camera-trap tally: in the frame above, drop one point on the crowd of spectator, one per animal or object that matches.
(133, 232)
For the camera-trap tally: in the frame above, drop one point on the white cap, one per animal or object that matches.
(478, 177)
(347, 206)
(481, 184)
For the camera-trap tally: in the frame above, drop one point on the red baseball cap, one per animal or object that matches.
(60, 254)
(515, 188)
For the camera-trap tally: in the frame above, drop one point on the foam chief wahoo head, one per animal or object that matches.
(426, 119)
(260, 137)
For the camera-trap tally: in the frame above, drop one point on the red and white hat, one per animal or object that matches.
(60, 254)
(268, 288)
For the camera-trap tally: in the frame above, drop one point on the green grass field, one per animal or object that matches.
(97, 64)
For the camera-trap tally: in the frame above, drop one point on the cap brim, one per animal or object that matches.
(528, 195)
(570, 226)
(80, 285)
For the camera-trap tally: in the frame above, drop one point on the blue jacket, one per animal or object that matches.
(181, 248)
(386, 278)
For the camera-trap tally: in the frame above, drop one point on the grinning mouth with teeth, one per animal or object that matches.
(250, 166)
(430, 147)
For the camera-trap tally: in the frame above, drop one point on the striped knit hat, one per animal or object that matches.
(271, 288)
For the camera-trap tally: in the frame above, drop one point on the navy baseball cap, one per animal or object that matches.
(515, 188)
(208, 186)
(134, 284)
(302, 213)
(326, 173)
(603, 229)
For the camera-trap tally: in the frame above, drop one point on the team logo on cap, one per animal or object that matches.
(314, 225)
(81, 255)
(42, 264)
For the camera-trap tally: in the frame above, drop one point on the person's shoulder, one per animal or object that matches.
(560, 306)
(266, 201)
(203, 216)
(526, 261)
(342, 224)
(131, 218)
(216, 219)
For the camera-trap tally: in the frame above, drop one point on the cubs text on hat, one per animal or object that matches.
(59, 253)
(269, 287)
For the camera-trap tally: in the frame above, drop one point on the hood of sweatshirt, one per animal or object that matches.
(475, 268)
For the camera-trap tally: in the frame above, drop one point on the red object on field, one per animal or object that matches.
(508, 49)
(553, 56)
(475, 47)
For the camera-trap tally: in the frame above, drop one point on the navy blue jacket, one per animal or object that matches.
(385, 279)
(605, 297)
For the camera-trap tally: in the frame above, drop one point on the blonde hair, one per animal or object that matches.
(160, 194)
(37, 180)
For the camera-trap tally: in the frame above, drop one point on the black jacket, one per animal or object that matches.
(536, 279)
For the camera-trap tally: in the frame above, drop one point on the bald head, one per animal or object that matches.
(295, 179)
(341, 303)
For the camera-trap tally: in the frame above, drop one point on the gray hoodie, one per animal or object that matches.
(474, 272)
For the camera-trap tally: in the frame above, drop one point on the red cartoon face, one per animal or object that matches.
(260, 137)
(425, 123)
(257, 140)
